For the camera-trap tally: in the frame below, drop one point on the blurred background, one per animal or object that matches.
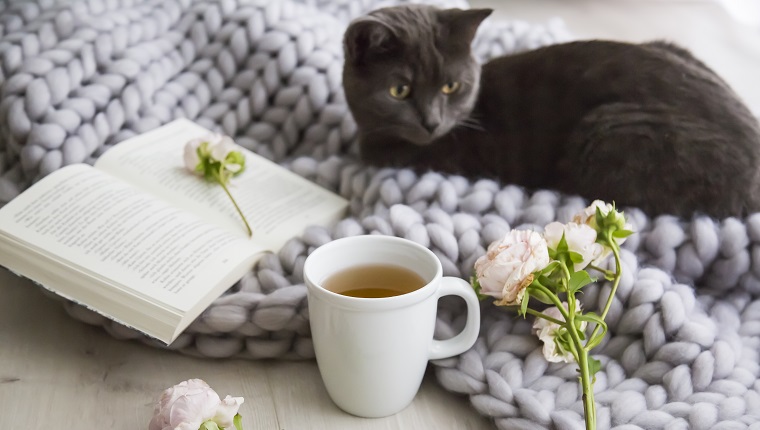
(725, 34)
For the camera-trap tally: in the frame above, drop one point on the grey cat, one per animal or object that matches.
(644, 125)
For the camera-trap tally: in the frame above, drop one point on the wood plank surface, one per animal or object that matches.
(56, 372)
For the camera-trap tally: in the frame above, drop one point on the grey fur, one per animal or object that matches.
(644, 125)
(417, 45)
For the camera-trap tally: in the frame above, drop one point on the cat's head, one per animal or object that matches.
(409, 71)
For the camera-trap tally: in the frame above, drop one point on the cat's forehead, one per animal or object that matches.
(427, 48)
(418, 26)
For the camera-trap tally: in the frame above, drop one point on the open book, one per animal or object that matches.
(140, 239)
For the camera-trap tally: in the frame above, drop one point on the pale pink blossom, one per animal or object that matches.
(508, 267)
(588, 217)
(220, 146)
(214, 147)
(580, 238)
(547, 331)
(227, 410)
(192, 159)
(189, 404)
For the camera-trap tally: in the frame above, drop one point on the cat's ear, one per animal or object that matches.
(463, 24)
(367, 36)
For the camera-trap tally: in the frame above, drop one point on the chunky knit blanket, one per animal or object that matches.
(79, 76)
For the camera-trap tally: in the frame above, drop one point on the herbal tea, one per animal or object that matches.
(374, 281)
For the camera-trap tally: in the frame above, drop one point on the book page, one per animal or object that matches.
(112, 230)
(278, 204)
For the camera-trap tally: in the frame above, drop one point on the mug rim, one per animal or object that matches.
(374, 303)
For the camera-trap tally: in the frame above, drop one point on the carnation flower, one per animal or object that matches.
(507, 268)
(190, 404)
(580, 239)
(548, 331)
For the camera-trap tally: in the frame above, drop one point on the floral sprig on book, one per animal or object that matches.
(194, 405)
(552, 268)
(218, 159)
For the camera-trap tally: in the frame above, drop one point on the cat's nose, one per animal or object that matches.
(431, 126)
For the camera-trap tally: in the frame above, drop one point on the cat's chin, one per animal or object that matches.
(422, 142)
(417, 138)
(424, 138)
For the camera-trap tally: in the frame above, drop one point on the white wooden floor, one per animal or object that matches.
(56, 372)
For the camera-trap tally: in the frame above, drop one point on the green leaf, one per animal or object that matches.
(593, 318)
(209, 425)
(599, 219)
(236, 157)
(524, 303)
(551, 267)
(575, 257)
(550, 282)
(238, 421)
(562, 245)
(621, 234)
(579, 280)
(539, 295)
(594, 366)
(563, 341)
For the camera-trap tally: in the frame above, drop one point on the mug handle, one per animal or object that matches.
(451, 286)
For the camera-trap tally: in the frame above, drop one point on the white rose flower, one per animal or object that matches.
(220, 146)
(187, 405)
(192, 159)
(580, 238)
(588, 216)
(508, 266)
(220, 149)
(226, 411)
(547, 331)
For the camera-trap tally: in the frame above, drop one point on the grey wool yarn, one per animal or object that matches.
(77, 77)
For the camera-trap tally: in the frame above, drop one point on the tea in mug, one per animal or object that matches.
(374, 281)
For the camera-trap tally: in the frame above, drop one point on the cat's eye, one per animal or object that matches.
(450, 87)
(400, 91)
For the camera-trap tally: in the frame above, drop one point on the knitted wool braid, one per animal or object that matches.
(77, 77)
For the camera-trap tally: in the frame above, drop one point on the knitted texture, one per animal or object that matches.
(77, 77)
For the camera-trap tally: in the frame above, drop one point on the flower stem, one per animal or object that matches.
(616, 253)
(245, 221)
(587, 387)
(544, 316)
(581, 355)
(599, 269)
(554, 299)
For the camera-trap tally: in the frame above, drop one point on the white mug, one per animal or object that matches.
(372, 352)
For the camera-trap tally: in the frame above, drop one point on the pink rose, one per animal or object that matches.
(508, 266)
(187, 405)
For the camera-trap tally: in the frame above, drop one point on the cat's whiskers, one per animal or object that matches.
(471, 123)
